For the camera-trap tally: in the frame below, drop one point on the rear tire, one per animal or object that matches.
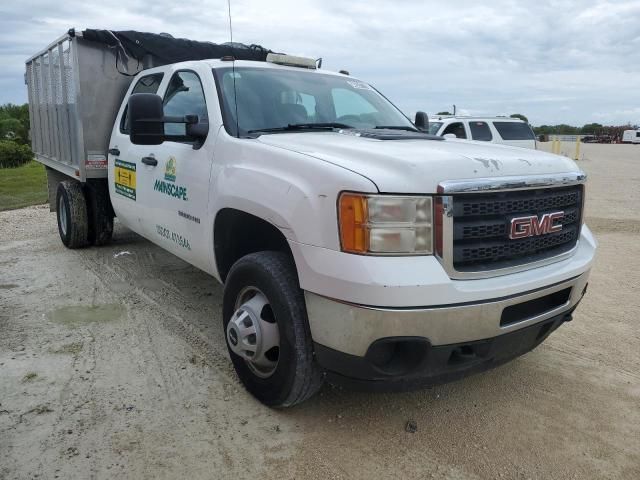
(99, 212)
(71, 210)
(294, 376)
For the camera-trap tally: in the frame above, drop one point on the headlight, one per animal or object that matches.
(385, 224)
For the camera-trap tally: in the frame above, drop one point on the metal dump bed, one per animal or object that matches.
(75, 91)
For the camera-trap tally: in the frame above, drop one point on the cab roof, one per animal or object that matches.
(215, 63)
(443, 118)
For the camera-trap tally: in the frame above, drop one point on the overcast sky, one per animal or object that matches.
(555, 61)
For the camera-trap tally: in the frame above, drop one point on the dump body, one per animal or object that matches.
(77, 83)
(75, 91)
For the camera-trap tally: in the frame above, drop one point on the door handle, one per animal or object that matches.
(114, 151)
(150, 161)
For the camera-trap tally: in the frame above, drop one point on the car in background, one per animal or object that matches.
(504, 130)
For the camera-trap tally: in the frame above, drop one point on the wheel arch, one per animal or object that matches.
(237, 233)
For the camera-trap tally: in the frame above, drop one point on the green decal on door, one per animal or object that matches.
(170, 170)
(170, 189)
(125, 178)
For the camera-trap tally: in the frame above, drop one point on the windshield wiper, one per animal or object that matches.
(396, 127)
(292, 127)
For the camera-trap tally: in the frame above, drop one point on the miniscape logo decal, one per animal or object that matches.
(171, 189)
(170, 170)
(168, 187)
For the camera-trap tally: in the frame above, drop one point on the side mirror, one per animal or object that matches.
(146, 119)
(197, 130)
(422, 121)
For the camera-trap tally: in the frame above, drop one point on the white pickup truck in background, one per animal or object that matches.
(351, 244)
(501, 130)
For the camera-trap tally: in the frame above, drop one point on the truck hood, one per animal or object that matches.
(417, 165)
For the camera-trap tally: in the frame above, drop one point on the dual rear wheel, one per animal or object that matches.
(84, 214)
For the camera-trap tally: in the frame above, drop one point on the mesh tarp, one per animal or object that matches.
(163, 49)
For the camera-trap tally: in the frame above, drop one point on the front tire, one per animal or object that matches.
(71, 210)
(267, 331)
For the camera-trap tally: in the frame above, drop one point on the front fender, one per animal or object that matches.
(295, 192)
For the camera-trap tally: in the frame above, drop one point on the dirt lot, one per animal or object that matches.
(113, 365)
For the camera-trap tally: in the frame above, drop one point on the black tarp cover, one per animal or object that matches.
(164, 49)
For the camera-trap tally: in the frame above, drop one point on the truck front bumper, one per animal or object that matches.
(400, 349)
(402, 321)
(418, 364)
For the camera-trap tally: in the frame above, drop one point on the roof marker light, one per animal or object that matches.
(291, 60)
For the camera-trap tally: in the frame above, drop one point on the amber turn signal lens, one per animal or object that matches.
(353, 223)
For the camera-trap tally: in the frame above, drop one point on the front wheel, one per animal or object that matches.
(267, 330)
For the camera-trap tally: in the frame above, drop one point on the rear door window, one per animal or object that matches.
(146, 84)
(480, 131)
(457, 129)
(514, 131)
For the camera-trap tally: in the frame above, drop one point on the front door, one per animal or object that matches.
(176, 205)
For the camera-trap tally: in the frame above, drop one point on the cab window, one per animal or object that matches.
(514, 130)
(146, 84)
(434, 127)
(457, 129)
(480, 131)
(184, 96)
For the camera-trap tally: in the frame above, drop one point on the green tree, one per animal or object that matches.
(443, 113)
(10, 129)
(14, 123)
(13, 154)
(591, 128)
(520, 116)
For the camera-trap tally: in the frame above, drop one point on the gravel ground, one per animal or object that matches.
(113, 365)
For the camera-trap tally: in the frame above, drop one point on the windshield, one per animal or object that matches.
(434, 127)
(273, 98)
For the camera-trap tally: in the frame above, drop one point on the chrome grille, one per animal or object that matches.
(481, 223)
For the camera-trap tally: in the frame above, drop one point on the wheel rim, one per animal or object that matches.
(253, 334)
(62, 214)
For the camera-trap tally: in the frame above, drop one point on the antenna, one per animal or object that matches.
(230, 25)
(233, 74)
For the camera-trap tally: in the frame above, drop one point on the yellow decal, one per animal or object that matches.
(125, 178)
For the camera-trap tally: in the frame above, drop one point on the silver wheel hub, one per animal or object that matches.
(252, 332)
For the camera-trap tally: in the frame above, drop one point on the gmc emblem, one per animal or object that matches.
(523, 227)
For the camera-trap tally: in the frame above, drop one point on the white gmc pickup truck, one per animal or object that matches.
(351, 244)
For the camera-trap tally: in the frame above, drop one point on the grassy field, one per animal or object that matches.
(22, 186)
